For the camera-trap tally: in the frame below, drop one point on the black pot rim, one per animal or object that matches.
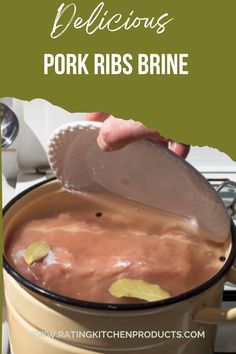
(115, 307)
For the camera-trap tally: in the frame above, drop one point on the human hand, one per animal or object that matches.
(115, 133)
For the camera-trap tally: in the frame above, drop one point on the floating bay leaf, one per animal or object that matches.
(36, 251)
(137, 289)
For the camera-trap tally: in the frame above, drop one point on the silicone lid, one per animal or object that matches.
(142, 171)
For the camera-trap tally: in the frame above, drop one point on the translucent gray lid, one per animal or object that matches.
(142, 171)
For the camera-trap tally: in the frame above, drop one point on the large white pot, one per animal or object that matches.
(33, 310)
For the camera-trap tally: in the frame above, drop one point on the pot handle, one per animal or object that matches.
(212, 315)
(220, 184)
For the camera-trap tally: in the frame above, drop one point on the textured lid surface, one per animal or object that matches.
(142, 171)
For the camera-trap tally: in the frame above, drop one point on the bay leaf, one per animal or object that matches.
(138, 289)
(36, 251)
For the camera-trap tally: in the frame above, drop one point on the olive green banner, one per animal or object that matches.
(186, 90)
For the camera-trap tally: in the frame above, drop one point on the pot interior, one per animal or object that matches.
(50, 199)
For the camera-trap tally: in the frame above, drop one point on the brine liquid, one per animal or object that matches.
(92, 247)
